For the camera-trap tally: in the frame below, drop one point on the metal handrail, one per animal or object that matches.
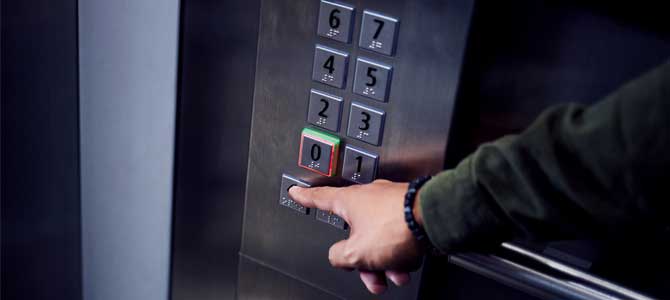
(553, 280)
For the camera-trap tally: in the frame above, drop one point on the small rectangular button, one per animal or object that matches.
(319, 152)
(325, 110)
(287, 181)
(335, 21)
(366, 123)
(330, 66)
(331, 218)
(359, 166)
(378, 33)
(372, 79)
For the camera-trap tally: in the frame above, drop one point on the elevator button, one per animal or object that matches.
(325, 110)
(330, 218)
(335, 21)
(287, 182)
(378, 33)
(372, 79)
(319, 151)
(366, 123)
(359, 165)
(330, 66)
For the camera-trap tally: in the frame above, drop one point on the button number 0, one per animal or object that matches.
(315, 152)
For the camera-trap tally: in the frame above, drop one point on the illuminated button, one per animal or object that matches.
(372, 79)
(330, 66)
(335, 21)
(287, 182)
(330, 218)
(325, 110)
(359, 165)
(366, 123)
(378, 33)
(319, 151)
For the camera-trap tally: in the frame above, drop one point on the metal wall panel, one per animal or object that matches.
(128, 73)
(217, 59)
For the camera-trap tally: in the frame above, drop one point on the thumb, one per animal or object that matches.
(323, 198)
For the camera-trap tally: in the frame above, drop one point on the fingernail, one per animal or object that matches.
(398, 278)
(293, 189)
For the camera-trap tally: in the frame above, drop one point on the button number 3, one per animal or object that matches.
(365, 120)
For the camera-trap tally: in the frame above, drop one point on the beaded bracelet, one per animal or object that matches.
(410, 197)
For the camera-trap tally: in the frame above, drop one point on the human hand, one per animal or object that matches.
(380, 244)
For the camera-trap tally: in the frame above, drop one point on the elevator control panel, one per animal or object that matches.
(345, 92)
(319, 150)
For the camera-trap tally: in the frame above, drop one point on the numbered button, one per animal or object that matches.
(366, 123)
(372, 79)
(325, 110)
(378, 33)
(287, 182)
(318, 152)
(359, 166)
(335, 21)
(330, 66)
(330, 218)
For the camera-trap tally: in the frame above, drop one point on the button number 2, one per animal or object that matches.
(322, 113)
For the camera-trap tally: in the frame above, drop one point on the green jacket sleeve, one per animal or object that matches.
(576, 172)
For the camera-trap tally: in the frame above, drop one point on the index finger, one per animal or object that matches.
(324, 198)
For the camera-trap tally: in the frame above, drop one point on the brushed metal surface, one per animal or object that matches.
(217, 57)
(418, 111)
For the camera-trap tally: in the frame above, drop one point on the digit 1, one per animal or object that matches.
(359, 159)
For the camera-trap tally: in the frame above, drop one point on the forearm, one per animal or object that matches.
(576, 172)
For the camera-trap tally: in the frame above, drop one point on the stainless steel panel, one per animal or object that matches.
(217, 59)
(418, 112)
